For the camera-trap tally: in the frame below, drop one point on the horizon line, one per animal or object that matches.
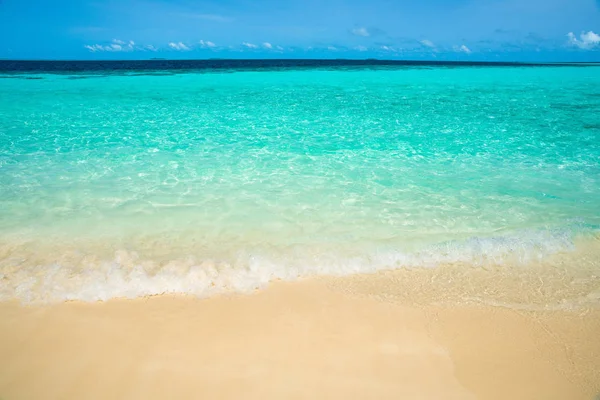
(298, 59)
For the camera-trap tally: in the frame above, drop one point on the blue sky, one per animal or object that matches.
(521, 30)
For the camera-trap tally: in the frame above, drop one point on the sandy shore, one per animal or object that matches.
(315, 339)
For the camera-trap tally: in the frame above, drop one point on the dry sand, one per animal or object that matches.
(327, 338)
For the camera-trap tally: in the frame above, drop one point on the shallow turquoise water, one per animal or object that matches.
(125, 185)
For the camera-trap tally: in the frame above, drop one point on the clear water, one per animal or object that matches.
(135, 184)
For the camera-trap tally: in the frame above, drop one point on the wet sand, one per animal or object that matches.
(319, 338)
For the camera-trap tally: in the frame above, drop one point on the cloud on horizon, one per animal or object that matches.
(206, 44)
(180, 46)
(427, 43)
(115, 46)
(360, 32)
(586, 41)
(462, 49)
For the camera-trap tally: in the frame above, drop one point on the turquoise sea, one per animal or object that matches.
(118, 182)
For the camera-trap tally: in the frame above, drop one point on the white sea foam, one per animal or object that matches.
(127, 275)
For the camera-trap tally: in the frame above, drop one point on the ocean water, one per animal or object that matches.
(127, 180)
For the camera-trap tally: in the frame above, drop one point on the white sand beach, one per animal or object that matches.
(321, 338)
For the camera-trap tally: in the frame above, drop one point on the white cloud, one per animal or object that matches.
(207, 44)
(279, 48)
(361, 48)
(427, 43)
(150, 48)
(387, 48)
(586, 41)
(250, 45)
(116, 45)
(462, 49)
(178, 46)
(360, 32)
(267, 45)
(331, 48)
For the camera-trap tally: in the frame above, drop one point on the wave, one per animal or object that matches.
(128, 275)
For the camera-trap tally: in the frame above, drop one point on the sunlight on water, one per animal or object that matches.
(198, 183)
